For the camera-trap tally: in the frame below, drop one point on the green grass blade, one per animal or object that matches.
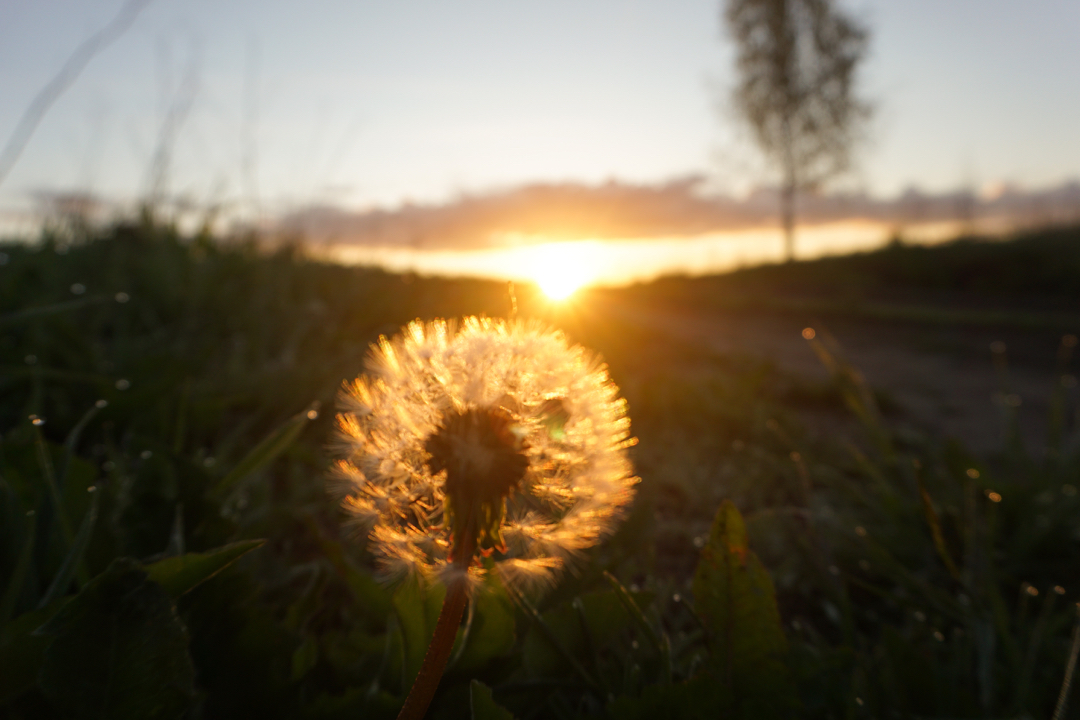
(18, 575)
(180, 574)
(72, 439)
(51, 309)
(1070, 670)
(49, 474)
(271, 446)
(661, 646)
(64, 575)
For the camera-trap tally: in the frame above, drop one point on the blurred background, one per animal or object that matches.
(460, 139)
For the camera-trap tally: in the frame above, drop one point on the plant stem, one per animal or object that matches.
(442, 642)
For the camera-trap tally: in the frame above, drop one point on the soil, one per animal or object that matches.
(946, 379)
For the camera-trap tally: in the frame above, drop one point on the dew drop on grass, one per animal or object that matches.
(78, 289)
(37, 421)
(1059, 590)
(30, 359)
(122, 384)
(101, 404)
(312, 414)
(121, 297)
(146, 454)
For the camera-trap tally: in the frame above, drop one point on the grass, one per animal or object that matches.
(904, 588)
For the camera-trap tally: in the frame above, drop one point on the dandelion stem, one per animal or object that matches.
(442, 641)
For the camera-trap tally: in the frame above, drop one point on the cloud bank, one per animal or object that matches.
(680, 208)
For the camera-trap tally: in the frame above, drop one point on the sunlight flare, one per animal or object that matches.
(561, 269)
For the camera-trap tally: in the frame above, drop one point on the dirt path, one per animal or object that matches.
(942, 379)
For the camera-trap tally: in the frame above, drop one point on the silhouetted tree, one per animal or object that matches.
(796, 63)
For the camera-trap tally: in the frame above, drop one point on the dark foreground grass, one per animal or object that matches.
(910, 579)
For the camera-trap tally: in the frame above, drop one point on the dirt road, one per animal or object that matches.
(943, 378)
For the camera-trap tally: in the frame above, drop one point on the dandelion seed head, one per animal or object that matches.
(504, 416)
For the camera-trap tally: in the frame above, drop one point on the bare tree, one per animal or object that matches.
(796, 61)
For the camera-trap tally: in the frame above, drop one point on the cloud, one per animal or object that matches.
(679, 208)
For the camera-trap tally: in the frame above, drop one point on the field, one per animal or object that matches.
(906, 475)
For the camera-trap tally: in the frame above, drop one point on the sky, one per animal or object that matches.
(364, 104)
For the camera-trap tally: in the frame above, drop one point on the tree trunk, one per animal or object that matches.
(787, 215)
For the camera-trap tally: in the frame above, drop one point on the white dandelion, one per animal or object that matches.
(496, 439)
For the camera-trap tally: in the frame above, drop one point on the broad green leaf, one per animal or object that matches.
(177, 575)
(482, 704)
(118, 650)
(22, 651)
(271, 446)
(735, 599)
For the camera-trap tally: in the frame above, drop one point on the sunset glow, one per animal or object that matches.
(560, 269)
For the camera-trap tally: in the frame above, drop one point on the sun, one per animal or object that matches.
(561, 269)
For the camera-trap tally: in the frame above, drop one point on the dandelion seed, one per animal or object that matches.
(502, 432)
(498, 439)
